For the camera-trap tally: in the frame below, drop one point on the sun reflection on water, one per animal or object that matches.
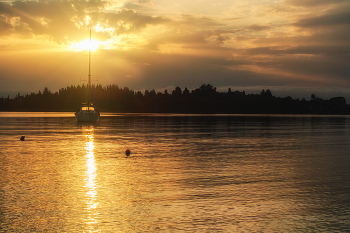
(90, 179)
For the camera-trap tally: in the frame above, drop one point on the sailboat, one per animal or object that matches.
(87, 112)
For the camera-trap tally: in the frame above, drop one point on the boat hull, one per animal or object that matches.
(87, 116)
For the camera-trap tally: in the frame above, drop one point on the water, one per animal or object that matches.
(186, 173)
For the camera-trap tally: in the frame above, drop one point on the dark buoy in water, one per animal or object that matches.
(22, 138)
(127, 152)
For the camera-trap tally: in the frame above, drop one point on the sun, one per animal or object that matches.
(85, 45)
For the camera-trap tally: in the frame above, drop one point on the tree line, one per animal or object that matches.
(204, 99)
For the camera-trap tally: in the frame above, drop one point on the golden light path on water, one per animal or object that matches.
(205, 173)
(91, 194)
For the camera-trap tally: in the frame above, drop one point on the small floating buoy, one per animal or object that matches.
(127, 152)
(22, 138)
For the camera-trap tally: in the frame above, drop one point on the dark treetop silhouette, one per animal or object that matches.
(204, 99)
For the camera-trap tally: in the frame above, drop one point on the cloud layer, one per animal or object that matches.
(155, 44)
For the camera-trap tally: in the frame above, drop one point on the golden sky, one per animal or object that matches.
(293, 47)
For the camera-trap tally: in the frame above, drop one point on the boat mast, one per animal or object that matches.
(89, 83)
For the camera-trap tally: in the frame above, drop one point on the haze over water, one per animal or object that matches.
(194, 173)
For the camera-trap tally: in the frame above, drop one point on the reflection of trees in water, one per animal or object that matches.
(206, 125)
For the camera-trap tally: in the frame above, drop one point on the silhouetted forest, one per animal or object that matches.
(205, 99)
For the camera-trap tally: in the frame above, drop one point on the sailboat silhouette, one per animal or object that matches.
(87, 112)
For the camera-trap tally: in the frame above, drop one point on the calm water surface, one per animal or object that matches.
(186, 173)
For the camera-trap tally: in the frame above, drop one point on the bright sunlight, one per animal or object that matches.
(85, 45)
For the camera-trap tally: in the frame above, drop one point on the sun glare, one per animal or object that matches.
(85, 45)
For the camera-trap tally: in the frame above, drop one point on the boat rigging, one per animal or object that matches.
(87, 112)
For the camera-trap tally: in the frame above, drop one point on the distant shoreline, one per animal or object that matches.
(108, 114)
(202, 100)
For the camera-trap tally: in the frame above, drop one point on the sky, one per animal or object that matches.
(292, 47)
